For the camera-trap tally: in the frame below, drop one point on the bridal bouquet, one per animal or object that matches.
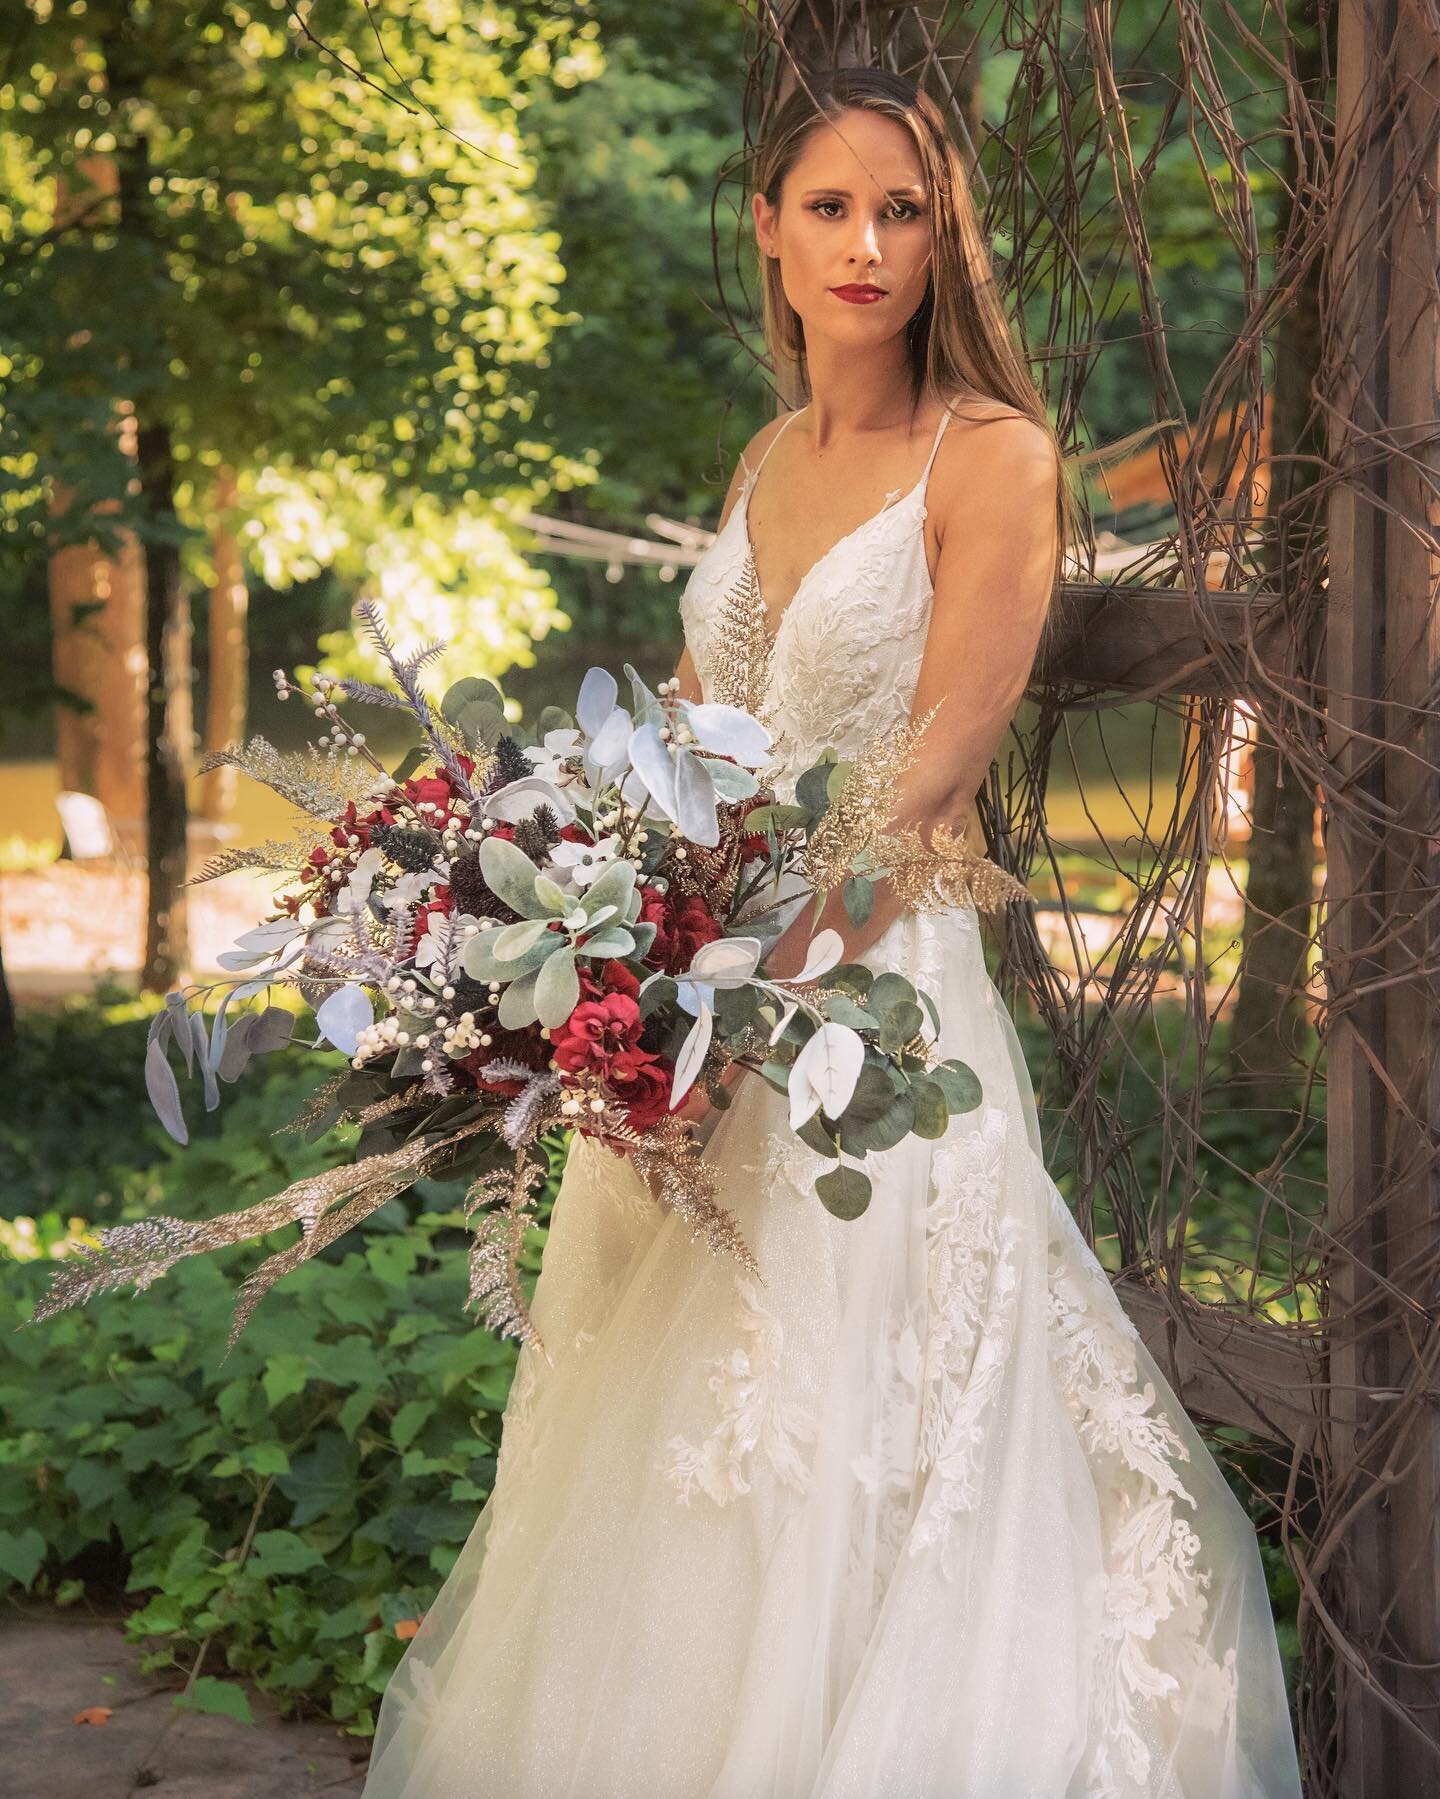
(508, 934)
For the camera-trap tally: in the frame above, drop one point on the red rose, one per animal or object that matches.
(641, 1084)
(681, 927)
(595, 1033)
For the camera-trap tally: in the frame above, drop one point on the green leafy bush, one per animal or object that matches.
(293, 1507)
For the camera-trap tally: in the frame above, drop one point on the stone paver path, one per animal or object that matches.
(54, 1664)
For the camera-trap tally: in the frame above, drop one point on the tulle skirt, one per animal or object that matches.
(913, 1516)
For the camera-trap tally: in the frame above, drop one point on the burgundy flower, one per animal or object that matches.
(641, 1084)
(596, 1032)
(682, 926)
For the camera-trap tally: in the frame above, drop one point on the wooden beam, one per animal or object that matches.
(1383, 663)
(1229, 1369)
(1144, 640)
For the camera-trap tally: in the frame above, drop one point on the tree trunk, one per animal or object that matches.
(1267, 1031)
(229, 658)
(9, 1035)
(167, 642)
(97, 609)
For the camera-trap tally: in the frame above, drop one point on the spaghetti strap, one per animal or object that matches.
(752, 473)
(944, 421)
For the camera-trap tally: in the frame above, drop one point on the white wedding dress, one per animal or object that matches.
(916, 1516)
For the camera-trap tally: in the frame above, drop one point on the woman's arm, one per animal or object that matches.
(993, 583)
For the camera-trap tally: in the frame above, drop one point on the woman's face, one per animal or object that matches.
(853, 213)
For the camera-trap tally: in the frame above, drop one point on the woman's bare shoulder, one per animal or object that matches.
(749, 460)
(995, 443)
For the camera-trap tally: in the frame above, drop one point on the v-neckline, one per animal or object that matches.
(895, 498)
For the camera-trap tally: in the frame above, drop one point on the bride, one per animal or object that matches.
(915, 1515)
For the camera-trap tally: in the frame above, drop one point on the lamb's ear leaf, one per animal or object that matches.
(844, 1191)
(692, 1055)
(557, 988)
(510, 875)
(517, 1002)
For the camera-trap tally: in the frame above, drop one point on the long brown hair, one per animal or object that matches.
(961, 342)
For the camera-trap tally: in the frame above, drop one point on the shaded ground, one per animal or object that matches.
(54, 1664)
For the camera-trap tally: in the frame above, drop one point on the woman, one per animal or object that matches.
(916, 1517)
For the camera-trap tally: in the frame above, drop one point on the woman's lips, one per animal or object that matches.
(858, 296)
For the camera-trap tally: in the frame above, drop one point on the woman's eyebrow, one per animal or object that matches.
(844, 193)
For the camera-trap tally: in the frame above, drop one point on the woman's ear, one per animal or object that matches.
(764, 216)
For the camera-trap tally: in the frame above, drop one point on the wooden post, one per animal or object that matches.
(1382, 1581)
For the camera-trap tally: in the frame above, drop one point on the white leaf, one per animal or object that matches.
(728, 732)
(596, 701)
(824, 1074)
(825, 951)
(519, 799)
(343, 1016)
(692, 1056)
(727, 962)
(695, 799)
(650, 758)
(785, 1018)
(272, 936)
(608, 745)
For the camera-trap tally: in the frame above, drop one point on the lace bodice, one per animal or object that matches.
(847, 650)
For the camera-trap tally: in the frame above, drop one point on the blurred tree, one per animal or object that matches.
(296, 268)
(647, 378)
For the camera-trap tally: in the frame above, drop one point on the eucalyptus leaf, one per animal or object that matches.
(468, 691)
(815, 1134)
(932, 1114)
(858, 893)
(844, 1010)
(959, 1083)
(887, 990)
(777, 817)
(836, 779)
(656, 994)
(875, 1134)
(343, 1015)
(853, 975)
(844, 1192)
(902, 1022)
(812, 791)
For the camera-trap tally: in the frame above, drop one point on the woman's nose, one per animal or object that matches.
(866, 247)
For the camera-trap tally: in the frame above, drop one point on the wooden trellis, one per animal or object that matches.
(1333, 639)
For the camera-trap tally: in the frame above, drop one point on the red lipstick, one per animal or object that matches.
(859, 294)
